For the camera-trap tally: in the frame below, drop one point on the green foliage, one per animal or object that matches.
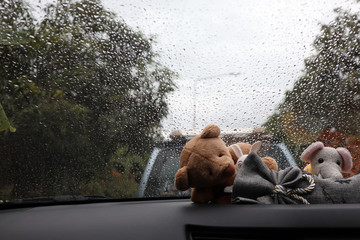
(77, 85)
(4, 121)
(120, 178)
(328, 92)
(273, 126)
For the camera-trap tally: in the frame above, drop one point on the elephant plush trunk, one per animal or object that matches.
(333, 171)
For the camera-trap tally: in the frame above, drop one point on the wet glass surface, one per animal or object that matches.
(88, 89)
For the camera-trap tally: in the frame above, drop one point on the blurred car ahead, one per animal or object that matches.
(159, 175)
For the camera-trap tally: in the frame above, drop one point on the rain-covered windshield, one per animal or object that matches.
(91, 90)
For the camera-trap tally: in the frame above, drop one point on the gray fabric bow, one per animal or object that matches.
(256, 183)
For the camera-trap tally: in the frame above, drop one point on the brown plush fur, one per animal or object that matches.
(271, 163)
(245, 148)
(207, 166)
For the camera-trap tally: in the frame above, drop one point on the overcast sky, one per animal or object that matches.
(264, 42)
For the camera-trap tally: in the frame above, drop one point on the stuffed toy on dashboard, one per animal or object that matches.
(239, 151)
(207, 166)
(327, 162)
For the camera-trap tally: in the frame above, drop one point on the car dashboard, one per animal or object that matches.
(179, 219)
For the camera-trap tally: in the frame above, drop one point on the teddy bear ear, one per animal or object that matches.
(210, 131)
(182, 180)
(310, 151)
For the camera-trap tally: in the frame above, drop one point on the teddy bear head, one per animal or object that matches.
(205, 161)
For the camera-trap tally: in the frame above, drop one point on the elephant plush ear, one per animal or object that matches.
(310, 151)
(181, 179)
(347, 159)
(210, 131)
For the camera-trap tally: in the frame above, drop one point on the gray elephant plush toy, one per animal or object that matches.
(327, 162)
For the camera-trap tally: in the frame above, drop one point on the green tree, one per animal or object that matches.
(76, 85)
(328, 92)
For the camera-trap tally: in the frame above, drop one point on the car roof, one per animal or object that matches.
(176, 138)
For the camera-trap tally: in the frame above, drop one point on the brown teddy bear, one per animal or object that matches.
(207, 166)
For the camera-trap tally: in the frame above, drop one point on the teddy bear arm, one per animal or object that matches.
(271, 163)
(181, 179)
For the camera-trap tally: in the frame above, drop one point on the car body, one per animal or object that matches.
(159, 174)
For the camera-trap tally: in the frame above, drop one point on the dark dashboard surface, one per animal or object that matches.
(177, 219)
